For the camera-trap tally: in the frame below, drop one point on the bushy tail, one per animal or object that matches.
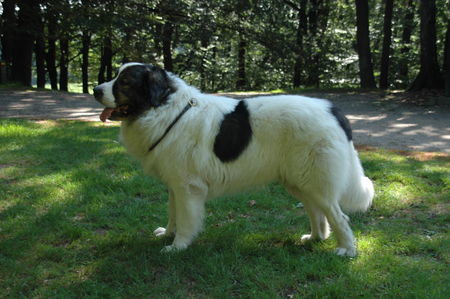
(360, 191)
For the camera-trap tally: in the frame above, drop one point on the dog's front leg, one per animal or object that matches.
(171, 225)
(190, 208)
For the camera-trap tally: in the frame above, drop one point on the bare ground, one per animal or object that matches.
(417, 122)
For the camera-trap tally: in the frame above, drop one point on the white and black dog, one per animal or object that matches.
(203, 146)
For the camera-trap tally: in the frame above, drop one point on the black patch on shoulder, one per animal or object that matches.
(343, 121)
(234, 134)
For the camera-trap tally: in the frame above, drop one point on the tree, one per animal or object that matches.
(405, 47)
(50, 56)
(363, 44)
(387, 36)
(23, 41)
(429, 76)
(9, 26)
(446, 63)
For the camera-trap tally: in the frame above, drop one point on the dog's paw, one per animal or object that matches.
(173, 248)
(308, 239)
(160, 232)
(350, 252)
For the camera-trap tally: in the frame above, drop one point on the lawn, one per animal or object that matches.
(77, 215)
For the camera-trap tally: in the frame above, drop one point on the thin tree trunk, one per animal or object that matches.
(408, 23)
(86, 42)
(299, 51)
(102, 67)
(429, 76)
(64, 64)
(108, 58)
(39, 50)
(363, 44)
(167, 32)
(51, 51)
(241, 81)
(387, 37)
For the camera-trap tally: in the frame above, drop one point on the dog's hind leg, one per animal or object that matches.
(171, 225)
(319, 226)
(339, 224)
(189, 206)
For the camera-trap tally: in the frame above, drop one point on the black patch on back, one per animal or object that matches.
(343, 121)
(234, 134)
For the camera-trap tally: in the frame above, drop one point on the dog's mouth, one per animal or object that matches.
(118, 113)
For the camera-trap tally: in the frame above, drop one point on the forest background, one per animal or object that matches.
(221, 45)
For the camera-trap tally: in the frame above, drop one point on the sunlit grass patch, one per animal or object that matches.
(77, 215)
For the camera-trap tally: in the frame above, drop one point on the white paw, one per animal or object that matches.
(173, 248)
(351, 252)
(307, 238)
(160, 232)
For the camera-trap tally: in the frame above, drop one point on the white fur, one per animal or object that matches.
(296, 141)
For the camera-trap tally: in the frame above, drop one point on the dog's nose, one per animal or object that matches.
(98, 92)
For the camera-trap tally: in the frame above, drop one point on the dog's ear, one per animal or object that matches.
(156, 85)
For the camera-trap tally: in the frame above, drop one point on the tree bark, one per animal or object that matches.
(299, 50)
(51, 51)
(9, 25)
(241, 81)
(387, 37)
(167, 31)
(86, 43)
(64, 64)
(363, 44)
(429, 76)
(446, 63)
(39, 51)
(24, 41)
(408, 23)
(105, 61)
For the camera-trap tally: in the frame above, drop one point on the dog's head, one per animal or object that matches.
(137, 88)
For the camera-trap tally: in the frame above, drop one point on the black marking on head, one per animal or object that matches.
(234, 134)
(343, 121)
(142, 87)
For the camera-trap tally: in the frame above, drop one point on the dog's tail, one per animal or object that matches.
(359, 194)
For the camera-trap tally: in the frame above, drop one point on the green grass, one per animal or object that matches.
(77, 215)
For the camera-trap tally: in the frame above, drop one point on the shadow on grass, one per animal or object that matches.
(77, 217)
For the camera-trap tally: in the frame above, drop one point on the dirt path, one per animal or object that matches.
(377, 120)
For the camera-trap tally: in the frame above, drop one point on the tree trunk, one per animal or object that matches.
(408, 23)
(387, 36)
(446, 64)
(39, 51)
(363, 44)
(64, 64)
(9, 25)
(299, 51)
(105, 61)
(51, 51)
(86, 42)
(102, 67)
(241, 81)
(108, 58)
(24, 40)
(429, 76)
(167, 32)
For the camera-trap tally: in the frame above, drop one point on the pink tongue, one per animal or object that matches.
(106, 113)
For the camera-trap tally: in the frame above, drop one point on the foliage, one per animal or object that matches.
(77, 215)
(205, 40)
